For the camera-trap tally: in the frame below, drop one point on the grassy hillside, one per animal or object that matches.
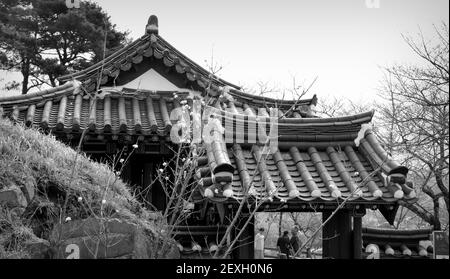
(53, 183)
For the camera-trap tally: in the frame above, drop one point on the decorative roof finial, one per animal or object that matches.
(152, 25)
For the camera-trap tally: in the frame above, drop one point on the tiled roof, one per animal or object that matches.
(317, 157)
(398, 244)
(147, 46)
(152, 45)
(321, 162)
(66, 108)
(236, 101)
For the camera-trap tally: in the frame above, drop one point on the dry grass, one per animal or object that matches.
(13, 235)
(28, 157)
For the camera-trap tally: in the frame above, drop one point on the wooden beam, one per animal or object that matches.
(357, 237)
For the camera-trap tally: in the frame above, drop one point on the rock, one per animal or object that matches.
(141, 245)
(38, 248)
(93, 238)
(90, 226)
(28, 190)
(174, 253)
(108, 238)
(13, 197)
(104, 246)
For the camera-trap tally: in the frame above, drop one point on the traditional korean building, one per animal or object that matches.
(318, 163)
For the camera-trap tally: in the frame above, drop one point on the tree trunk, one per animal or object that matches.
(279, 224)
(441, 185)
(425, 215)
(52, 80)
(26, 74)
(436, 209)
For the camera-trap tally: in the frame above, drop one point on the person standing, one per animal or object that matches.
(295, 242)
(283, 245)
(259, 244)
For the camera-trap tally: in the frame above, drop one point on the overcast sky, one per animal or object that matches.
(343, 43)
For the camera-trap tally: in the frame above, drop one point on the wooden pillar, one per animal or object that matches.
(126, 174)
(147, 180)
(139, 172)
(245, 245)
(158, 194)
(337, 235)
(357, 237)
(135, 163)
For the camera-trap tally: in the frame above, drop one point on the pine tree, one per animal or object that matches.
(44, 39)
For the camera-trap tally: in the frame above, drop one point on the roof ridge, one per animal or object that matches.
(52, 92)
(242, 94)
(395, 231)
(196, 64)
(359, 118)
(147, 38)
(95, 66)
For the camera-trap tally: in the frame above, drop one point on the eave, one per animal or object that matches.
(149, 45)
(398, 244)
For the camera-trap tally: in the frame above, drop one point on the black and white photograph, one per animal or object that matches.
(288, 133)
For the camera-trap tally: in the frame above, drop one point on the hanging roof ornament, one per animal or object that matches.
(362, 132)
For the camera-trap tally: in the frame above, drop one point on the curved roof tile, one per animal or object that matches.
(146, 46)
(398, 244)
(67, 109)
(317, 170)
